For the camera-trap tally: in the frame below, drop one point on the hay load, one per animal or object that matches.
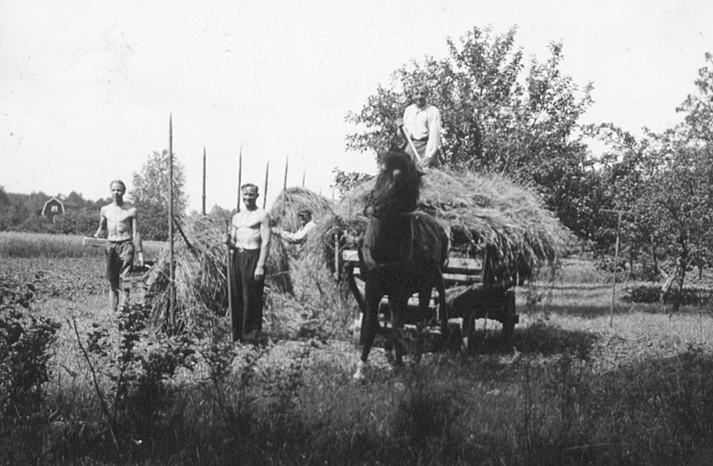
(477, 210)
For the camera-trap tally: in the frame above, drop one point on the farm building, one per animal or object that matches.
(53, 210)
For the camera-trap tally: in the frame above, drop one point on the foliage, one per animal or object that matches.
(698, 107)
(346, 181)
(23, 212)
(26, 347)
(664, 183)
(496, 119)
(140, 368)
(150, 195)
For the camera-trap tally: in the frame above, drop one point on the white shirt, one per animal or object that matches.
(300, 235)
(421, 123)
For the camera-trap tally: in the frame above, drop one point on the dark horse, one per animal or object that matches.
(403, 252)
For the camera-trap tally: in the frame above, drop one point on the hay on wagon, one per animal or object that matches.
(477, 210)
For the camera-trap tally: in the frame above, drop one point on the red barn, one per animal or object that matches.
(53, 209)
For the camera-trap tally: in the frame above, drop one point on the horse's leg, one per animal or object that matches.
(370, 325)
(399, 306)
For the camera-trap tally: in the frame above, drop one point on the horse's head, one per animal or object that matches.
(398, 184)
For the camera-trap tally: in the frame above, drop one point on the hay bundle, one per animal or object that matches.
(477, 210)
(200, 272)
(287, 205)
(316, 250)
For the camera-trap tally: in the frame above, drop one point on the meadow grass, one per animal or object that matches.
(15, 244)
(578, 385)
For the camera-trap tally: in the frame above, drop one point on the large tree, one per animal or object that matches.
(150, 194)
(497, 117)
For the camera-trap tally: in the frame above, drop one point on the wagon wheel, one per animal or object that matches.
(510, 316)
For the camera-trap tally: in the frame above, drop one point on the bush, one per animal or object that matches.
(26, 343)
(651, 293)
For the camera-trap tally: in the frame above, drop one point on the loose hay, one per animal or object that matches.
(477, 210)
(302, 293)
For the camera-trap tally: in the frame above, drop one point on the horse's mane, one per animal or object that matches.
(398, 185)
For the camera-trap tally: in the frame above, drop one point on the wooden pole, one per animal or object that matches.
(203, 204)
(619, 213)
(410, 142)
(240, 174)
(229, 277)
(287, 163)
(267, 175)
(171, 265)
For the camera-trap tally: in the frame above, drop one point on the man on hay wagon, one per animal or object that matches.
(421, 127)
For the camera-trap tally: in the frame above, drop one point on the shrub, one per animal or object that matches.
(26, 343)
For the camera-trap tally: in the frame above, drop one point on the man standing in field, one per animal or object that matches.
(121, 221)
(421, 126)
(249, 238)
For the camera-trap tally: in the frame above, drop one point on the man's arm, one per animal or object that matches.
(264, 246)
(434, 134)
(296, 237)
(136, 234)
(102, 223)
(230, 237)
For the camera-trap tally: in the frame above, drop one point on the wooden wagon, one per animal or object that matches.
(475, 289)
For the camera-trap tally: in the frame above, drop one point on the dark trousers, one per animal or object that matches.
(247, 292)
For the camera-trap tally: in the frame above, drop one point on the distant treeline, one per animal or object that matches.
(23, 212)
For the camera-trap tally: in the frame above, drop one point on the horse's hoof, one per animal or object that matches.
(359, 374)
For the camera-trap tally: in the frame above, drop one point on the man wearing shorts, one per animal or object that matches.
(121, 221)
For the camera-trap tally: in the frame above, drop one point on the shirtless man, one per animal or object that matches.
(249, 238)
(121, 221)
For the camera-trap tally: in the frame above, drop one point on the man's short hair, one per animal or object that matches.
(119, 182)
(305, 213)
(419, 85)
(251, 186)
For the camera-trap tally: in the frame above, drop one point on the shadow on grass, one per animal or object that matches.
(539, 338)
(598, 311)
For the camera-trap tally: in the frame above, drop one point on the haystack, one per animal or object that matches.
(200, 271)
(311, 256)
(477, 210)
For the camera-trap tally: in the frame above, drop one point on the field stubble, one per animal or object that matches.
(572, 389)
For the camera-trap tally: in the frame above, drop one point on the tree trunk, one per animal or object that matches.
(677, 277)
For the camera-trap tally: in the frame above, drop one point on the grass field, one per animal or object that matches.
(579, 385)
(44, 245)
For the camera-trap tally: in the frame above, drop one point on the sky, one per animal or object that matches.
(87, 87)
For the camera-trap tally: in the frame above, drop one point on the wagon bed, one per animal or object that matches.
(474, 290)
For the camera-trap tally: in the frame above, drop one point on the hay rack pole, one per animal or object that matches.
(171, 262)
(620, 214)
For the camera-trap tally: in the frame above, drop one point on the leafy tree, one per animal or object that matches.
(699, 106)
(346, 181)
(496, 118)
(666, 180)
(150, 195)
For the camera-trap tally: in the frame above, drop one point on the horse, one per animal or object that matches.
(402, 252)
